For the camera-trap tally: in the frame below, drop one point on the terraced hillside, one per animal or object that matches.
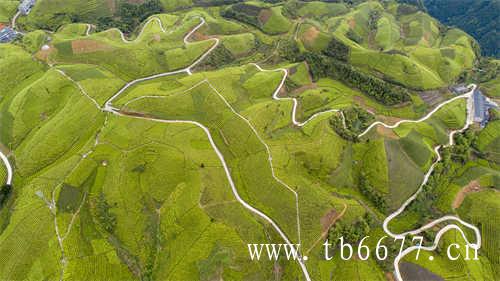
(159, 151)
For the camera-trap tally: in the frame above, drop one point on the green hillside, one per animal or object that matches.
(156, 140)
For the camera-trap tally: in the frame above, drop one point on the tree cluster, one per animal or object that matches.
(208, 3)
(5, 192)
(352, 233)
(244, 13)
(443, 174)
(337, 125)
(129, 16)
(104, 215)
(219, 57)
(337, 50)
(290, 51)
(371, 193)
(385, 93)
(290, 9)
(355, 121)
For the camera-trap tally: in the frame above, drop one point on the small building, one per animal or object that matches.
(7, 34)
(459, 89)
(25, 6)
(482, 105)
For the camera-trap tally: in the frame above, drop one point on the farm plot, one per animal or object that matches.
(152, 53)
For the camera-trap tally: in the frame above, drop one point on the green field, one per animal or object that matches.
(3, 174)
(7, 10)
(140, 193)
(50, 14)
(477, 208)
(407, 49)
(153, 52)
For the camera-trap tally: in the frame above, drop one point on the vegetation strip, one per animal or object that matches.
(109, 108)
(469, 121)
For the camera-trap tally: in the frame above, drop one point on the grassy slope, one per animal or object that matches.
(407, 49)
(477, 208)
(136, 152)
(7, 10)
(154, 52)
(53, 13)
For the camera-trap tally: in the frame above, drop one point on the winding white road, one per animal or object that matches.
(294, 100)
(108, 107)
(187, 70)
(140, 33)
(469, 120)
(470, 107)
(477, 244)
(14, 19)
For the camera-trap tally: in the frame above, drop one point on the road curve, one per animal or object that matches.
(427, 116)
(6, 162)
(122, 36)
(294, 100)
(108, 107)
(468, 122)
(14, 19)
(228, 176)
(477, 245)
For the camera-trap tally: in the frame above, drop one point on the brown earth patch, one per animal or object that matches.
(302, 89)
(351, 23)
(473, 186)
(134, 113)
(111, 5)
(386, 132)
(198, 36)
(426, 37)
(5, 150)
(264, 15)
(282, 93)
(327, 221)
(433, 97)
(310, 34)
(88, 46)
(43, 55)
(361, 102)
(389, 276)
(389, 120)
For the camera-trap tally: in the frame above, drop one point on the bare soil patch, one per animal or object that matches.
(327, 219)
(264, 15)
(352, 23)
(426, 37)
(310, 34)
(473, 186)
(432, 97)
(390, 120)
(43, 55)
(111, 5)
(359, 100)
(88, 46)
(386, 132)
(198, 36)
(389, 276)
(302, 89)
